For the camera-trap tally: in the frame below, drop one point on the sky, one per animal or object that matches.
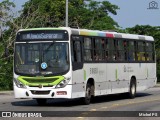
(131, 12)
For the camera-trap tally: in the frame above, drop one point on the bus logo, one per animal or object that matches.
(44, 65)
(6, 114)
(40, 86)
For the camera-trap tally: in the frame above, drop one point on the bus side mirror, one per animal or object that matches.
(6, 52)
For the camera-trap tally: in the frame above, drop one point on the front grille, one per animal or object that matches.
(38, 85)
(40, 92)
(42, 80)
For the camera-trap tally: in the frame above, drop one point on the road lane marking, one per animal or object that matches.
(114, 106)
(79, 117)
(104, 107)
(93, 110)
(131, 102)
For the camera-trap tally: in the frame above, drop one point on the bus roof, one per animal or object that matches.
(98, 33)
(108, 34)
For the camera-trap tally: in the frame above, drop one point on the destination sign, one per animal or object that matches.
(41, 36)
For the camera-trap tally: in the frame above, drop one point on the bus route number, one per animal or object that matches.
(93, 70)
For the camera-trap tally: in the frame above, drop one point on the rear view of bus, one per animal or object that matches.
(42, 64)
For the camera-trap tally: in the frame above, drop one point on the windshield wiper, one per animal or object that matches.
(46, 50)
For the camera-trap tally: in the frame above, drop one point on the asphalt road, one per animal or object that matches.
(119, 104)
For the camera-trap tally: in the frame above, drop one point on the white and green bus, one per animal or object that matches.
(79, 63)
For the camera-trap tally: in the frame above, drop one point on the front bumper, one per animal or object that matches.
(45, 92)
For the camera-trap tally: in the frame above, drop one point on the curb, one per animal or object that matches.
(157, 85)
(6, 92)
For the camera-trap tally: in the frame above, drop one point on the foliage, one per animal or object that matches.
(6, 74)
(6, 16)
(49, 13)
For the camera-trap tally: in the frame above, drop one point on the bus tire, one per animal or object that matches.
(87, 98)
(41, 101)
(132, 89)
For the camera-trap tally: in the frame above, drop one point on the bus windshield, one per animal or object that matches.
(41, 58)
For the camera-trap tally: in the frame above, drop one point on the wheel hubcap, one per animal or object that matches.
(133, 89)
(88, 93)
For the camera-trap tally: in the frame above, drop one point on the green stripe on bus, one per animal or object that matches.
(116, 74)
(93, 33)
(36, 81)
(88, 33)
(84, 74)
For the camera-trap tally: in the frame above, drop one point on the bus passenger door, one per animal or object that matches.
(77, 67)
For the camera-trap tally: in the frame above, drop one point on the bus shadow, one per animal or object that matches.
(50, 103)
(116, 97)
(76, 102)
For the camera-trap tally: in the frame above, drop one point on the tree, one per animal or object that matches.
(93, 15)
(6, 15)
(90, 14)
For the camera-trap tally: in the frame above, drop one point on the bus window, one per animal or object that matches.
(33, 53)
(106, 50)
(20, 57)
(77, 51)
(131, 51)
(112, 49)
(120, 50)
(103, 49)
(87, 49)
(99, 51)
(149, 51)
(141, 51)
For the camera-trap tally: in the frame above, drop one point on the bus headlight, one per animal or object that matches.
(63, 83)
(18, 83)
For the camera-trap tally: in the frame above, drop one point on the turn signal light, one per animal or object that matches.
(61, 92)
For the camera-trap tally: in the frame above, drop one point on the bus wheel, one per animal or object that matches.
(132, 89)
(87, 98)
(41, 101)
